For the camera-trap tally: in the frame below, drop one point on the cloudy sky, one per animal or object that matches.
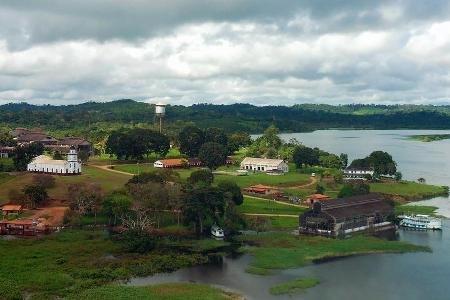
(255, 51)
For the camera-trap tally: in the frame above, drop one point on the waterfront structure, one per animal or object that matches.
(11, 209)
(264, 165)
(421, 222)
(338, 217)
(361, 173)
(47, 165)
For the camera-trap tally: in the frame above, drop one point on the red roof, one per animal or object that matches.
(317, 197)
(173, 162)
(260, 188)
(10, 207)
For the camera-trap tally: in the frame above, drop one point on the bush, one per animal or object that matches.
(44, 180)
(137, 241)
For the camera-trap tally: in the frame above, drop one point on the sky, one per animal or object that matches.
(225, 51)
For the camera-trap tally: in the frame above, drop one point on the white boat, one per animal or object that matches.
(217, 232)
(421, 222)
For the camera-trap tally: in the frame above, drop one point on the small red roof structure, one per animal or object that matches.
(317, 197)
(11, 209)
(262, 189)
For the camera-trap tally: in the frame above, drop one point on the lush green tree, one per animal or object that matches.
(6, 139)
(216, 135)
(330, 161)
(320, 189)
(116, 205)
(266, 145)
(344, 160)
(238, 140)
(157, 176)
(382, 163)
(201, 205)
(137, 142)
(232, 220)
(231, 187)
(36, 194)
(353, 189)
(398, 176)
(83, 155)
(57, 155)
(23, 155)
(346, 191)
(305, 156)
(212, 155)
(138, 241)
(202, 177)
(190, 140)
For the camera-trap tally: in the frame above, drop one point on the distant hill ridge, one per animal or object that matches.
(247, 117)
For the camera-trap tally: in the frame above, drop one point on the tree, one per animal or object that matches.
(57, 155)
(190, 140)
(83, 155)
(233, 189)
(380, 161)
(346, 191)
(17, 197)
(137, 142)
(353, 189)
(305, 156)
(157, 176)
(320, 189)
(212, 155)
(266, 145)
(44, 180)
(398, 176)
(344, 160)
(216, 135)
(330, 161)
(6, 139)
(202, 177)
(116, 206)
(23, 155)
(36, 194)
(85, 198)
(238, 140)
(203, 204)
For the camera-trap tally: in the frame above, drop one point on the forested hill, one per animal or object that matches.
(253, 119)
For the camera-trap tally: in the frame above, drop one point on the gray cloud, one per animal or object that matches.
(257, 51)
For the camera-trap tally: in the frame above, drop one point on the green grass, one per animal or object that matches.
(294, 286)
(275, 223)
(4, 177)
(291, 178)
(167, 291)
(263, 206)
(283, 250)
(408, 189)
(415, 209)
(109, 181)
(428, 137)
(258, 271)
(66, 263)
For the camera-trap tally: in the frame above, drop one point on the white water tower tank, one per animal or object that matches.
(160, 109)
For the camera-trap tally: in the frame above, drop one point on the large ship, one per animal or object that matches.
(421, 222)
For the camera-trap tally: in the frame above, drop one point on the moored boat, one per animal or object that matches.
(421, 222)
(217, 232)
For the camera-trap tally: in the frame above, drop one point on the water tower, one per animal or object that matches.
(160, 112)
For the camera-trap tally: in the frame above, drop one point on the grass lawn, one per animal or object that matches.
(167, 291)
(415, 209)
(294, 286)
(283, 250)
(108, 181)
(4, 177)
(408, 189)
(64, 264)
(291, 178)
(275, 223)
(263, 206)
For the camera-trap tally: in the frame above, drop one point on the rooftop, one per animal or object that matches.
(9, 207)
(262, 161)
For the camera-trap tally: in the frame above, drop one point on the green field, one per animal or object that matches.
(263, 206)
(409, 189)
(283, 250)
(64, 264)
(415, 209)
(294, 286)
(291, 178)
(167, 291)
(428, 137)
(107, 180)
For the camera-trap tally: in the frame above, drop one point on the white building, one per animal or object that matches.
(264, 165)
(45, 164)
(358, 173)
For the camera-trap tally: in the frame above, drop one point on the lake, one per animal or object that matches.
(385, 276)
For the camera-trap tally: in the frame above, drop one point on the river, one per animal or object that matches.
(385, 276)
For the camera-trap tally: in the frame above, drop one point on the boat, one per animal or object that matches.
(217, 232)
(421, 222)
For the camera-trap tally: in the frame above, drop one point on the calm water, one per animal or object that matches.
(386, 276)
